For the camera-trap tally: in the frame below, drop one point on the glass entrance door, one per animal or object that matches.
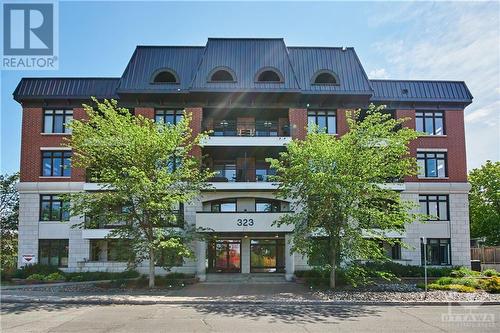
(267, 255)
(225, 256)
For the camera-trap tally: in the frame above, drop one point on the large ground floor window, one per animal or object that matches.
(267, 255)
(438, 251)
(53, 252)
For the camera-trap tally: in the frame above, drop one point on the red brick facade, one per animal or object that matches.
(32, 139)
(298, 123)
(453, 142)
(196, 126)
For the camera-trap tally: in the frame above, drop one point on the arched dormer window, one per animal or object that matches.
(165, 75)
(222, 74)
(325, 77)
(269, 75)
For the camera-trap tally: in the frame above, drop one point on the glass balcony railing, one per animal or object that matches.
(247, 128)
(233, 174)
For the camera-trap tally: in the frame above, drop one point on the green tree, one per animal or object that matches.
(484, 203)
(145, 170)
(336, 186)
(9, 215)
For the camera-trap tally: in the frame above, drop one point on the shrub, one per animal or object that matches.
(36, 276)
(97, 276)
(444, 281)
(453, 287)
(28, 270)
(400, 270)
(492, 285)
(490, 272)
(177, 276)
(54, 277)
(76, 278)
(463, 272)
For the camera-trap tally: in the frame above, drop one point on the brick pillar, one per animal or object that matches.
(342, 126)
(196, 121)
(78, 174)
(410, 123)
(145, 112)
(30, 144)
(298, 123)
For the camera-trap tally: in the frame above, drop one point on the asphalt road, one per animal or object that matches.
(246, 318)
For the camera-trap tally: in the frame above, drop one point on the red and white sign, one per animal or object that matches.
(28, 259)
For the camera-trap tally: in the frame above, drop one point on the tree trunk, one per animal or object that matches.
(151, 268)
(333, 262)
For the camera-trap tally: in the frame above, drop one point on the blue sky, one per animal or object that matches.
(403, 40)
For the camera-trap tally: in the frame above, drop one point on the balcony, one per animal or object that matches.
(240, 222)
(247, 132)
(229, 173)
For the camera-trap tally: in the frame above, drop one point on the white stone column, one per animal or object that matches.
(245, 255)
(289, 258)
(201, 256)
(29, 205)
(460, 236)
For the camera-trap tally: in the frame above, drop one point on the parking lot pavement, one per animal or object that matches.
(246, 318)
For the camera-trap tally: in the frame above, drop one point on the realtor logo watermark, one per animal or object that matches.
(30, 35)
(468, 315)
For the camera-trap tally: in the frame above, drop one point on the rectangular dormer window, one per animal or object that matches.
(326, 121)
(168, 116)
(56, 163)
(55, 121)
(432, 164)
(430, 122)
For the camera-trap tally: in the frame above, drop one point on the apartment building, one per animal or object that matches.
(255, 95)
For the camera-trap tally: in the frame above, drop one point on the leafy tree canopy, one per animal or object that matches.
(146, 170)
(484, 203)
(338, 187)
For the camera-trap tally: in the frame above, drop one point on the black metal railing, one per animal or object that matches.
(247, 128)
(233, 174)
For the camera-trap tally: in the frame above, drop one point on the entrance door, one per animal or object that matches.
(267, 255)
(225, 256)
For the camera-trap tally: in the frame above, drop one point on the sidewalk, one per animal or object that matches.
(202, 293)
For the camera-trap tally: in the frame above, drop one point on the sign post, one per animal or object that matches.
(424, 242)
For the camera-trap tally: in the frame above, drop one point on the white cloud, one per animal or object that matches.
(452, 41)
(379, 73)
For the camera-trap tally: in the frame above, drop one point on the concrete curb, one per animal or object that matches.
(7, 299)
(59, 284)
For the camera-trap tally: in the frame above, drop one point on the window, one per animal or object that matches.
(267, 205)
(269, 75)
(392, 251)
(53, 208)
(56, 163)
(53, 252)
(169, 116)
(165, 76)
(54, 121)
(222, 206)
(436, 206)
(431, 122)
(325, 120)
(222, 75)
(432, 164)
(438, 251)
(110, 250)
(325, 77)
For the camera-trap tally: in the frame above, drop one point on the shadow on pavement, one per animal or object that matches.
(287, 313)
(19, 308)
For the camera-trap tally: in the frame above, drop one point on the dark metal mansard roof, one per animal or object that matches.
(244, 58)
